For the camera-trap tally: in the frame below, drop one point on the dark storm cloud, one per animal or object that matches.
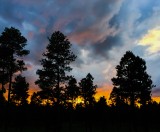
(9, 14)
(40, 18)
(86, 23)
(101, 48)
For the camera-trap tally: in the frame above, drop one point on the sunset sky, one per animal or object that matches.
(100, 31)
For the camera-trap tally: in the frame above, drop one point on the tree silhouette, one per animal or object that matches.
(102, 104)
(132, 83)
(55, 64)
(72, 91)
(88, 89)
(2, 98)
(19, 92)
(4, 76)
(116, 98)
(102, 101)
(36, 98)
(14, 43)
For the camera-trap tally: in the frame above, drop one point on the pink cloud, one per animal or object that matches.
(30, 35)
(83, 37)
(42, 30)
(29, 66)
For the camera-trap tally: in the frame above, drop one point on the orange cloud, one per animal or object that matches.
(30, 35)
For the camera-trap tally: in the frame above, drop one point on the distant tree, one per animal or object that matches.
(102, 104)
(55, 63)
(14, 43)
(132, 83)
(72, 90)
(102, 101)
(36, 98)
(88, 89)
(19, 92)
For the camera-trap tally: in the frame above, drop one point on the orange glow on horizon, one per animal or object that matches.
(101, 91)
(79, 100)
(157, 99)
(104, 91)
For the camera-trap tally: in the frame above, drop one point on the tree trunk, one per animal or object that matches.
(132, 100)
(58, 88)
(10, 78)
(3, 81)
(10, 85)
(85, 101)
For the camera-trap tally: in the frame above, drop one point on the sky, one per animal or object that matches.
(100, 31)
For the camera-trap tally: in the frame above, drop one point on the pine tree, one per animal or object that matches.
(88, 89)
(102, 104)
(36, 98)
(13, 43)
(55, 64)
(132, 83)
(19, 92)
(72, 91)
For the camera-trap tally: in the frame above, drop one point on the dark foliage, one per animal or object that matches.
(13, 43)
(132, 84)
(72, 91)
(88, 89)
(101, 105)
(19, 91)
(36, 98)
(55, 63)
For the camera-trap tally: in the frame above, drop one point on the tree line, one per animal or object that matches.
(132, 84)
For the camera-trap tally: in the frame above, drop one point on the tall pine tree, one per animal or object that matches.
(132, 83)
(14, 43)
(55, 64)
